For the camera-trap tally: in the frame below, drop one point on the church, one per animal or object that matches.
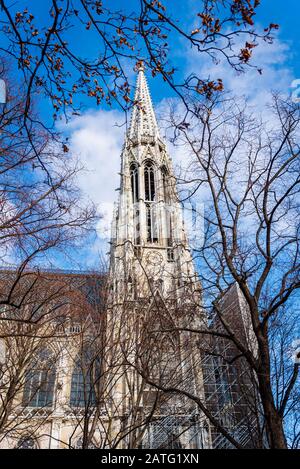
(112, 361)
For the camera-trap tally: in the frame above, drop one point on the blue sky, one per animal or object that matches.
(95, 139)
(269, 11)
(98, 141)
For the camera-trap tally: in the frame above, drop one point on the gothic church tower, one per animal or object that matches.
(154, 284)
(148, 227)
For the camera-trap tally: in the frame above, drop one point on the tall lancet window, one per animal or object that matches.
(86, 377)
(40, 380)
(151, 218)
(168, 213)
(134, 175)
(149, 182)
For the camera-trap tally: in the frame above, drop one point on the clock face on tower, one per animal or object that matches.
(154, 258)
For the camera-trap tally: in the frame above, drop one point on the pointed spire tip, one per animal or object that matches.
(140, 67)
(143, 120)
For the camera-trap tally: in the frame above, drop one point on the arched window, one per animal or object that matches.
(40, 381)
(134, 176)
(149, 182)
(151, 218)
(85, 378)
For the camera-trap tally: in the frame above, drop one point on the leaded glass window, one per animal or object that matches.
(40, 381)
(85, 379)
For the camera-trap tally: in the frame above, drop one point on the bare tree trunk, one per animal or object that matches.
(273, 419)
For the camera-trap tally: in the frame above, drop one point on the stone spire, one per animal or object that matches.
(143, 121)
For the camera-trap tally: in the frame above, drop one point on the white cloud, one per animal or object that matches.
(256, 88)
(270, 58)
(96, 139)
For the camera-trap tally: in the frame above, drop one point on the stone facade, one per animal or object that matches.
(154, 283)
(117, 348)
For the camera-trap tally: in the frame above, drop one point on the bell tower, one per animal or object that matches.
(148, 227)
(153, 280)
